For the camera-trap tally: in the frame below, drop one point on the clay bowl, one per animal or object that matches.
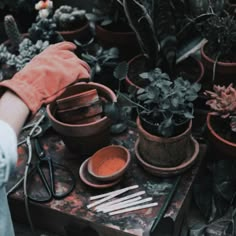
(170, 171)
(109, 163)
(91, 181)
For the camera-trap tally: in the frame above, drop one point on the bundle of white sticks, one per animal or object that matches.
(107, 204)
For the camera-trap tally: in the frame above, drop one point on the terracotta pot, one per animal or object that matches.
(139, 64)
(192, 151)
(225, 71)
(81, 34)
(109, 163)
(163, 151)
(84, 139)
(224, 147)
(126, 42)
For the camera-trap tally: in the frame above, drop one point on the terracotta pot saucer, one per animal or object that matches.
(170, 171)
(91, 181)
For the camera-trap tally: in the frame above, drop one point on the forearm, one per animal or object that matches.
(13, 111)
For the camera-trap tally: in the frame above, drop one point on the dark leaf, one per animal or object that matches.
(197, 230)
(118, 128)
(121, 70)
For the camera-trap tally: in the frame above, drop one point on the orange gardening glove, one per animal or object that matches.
(47, 75)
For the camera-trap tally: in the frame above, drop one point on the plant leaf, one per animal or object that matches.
(121, 70)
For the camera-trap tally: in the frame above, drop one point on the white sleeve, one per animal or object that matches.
(8, 151)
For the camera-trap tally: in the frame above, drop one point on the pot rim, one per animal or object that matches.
(66, 32)
(114, 33)
(217, 136)
(210, 60)
(116, 174)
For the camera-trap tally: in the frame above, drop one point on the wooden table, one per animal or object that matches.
(71, 214)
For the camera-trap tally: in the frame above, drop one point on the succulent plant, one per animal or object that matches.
(44, 29)
(68, 18)
(5, 55)
(12, 31)
(27, 50)
(11, 63)
(222, 101)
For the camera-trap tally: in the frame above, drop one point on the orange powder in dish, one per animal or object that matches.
(110, 166)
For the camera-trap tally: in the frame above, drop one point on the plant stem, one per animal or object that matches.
(136, 104)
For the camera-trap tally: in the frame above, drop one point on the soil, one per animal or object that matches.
(223, 129)
(212, 53)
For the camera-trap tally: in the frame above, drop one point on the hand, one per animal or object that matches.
(47, 75)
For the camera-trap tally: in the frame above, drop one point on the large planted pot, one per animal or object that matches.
(223, 147)
(125, 41)
(81, 34)
(190, 68)
(164, 151)
(86, 138)
(225, 72)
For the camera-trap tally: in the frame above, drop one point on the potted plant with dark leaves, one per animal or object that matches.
(72, 23)
(112, 28)
(217, 53)
(221, 120)
(165, 112)
(102, 62)
(163, 43)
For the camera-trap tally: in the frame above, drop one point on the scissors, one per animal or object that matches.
(38, 130)
(45, 168)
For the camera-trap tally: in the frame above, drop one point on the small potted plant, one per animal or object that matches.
(165, 113)
(221, 121)
(102, 63)
(71, 22)
(112, 28)
(44, 29)
(218, 52)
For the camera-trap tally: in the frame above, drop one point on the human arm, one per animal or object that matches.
(13, 111)
(40, 82)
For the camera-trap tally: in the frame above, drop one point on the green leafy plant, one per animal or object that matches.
(222, 101)
(98, 58)
(119, 112)
(69, 18)
(164, 102)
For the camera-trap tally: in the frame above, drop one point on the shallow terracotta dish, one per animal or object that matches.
(109, 163)
(170, 171)
(91, 181)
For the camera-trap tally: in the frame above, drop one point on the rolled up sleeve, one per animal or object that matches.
(8, 151)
